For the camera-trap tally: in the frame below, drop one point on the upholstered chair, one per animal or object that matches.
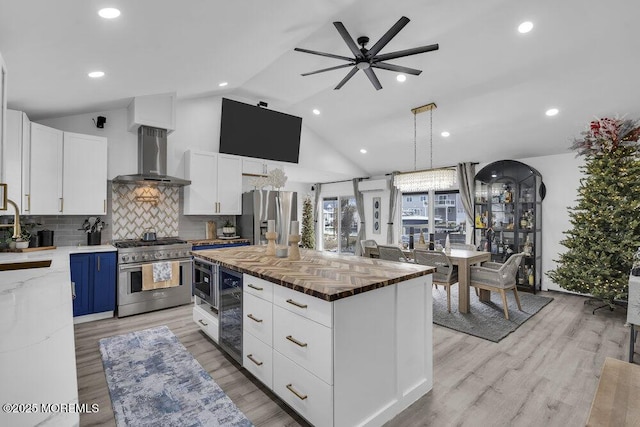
(498, 277)
(391, 253)
(446, 274)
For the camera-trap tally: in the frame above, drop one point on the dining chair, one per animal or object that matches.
(369, 248)
(392, 253)
(498, 277)
(446, 274)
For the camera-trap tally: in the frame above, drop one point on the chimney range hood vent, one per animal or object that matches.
(152, 160)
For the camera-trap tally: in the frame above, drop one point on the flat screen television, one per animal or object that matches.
(251, 131)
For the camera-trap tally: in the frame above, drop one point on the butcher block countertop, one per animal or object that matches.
(206, 242)
(322, 274)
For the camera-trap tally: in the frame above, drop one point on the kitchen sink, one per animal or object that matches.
(24, 265)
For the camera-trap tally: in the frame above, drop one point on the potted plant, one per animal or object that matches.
(229, 230)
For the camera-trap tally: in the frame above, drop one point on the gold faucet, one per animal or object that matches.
(16, 220)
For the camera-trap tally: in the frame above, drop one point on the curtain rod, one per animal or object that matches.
(344, 180)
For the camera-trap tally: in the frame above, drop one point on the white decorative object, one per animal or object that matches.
(447, 245)
(259, 182)
(277, 178)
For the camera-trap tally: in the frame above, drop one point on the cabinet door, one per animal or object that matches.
(200, 198)
(46, 170)
(229, 185)
(254, 167)
(84, 180)
(81, 278)
(12, 157)
(104, 282)
(3, 109)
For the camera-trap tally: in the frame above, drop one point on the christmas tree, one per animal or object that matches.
(308, 238)
(606, 220)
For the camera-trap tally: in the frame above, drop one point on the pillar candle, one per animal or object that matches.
(295, 228)
(271, 225)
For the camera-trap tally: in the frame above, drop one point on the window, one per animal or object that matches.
(341, 222)
(449, 217)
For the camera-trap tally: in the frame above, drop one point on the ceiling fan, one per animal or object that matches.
(367, 59)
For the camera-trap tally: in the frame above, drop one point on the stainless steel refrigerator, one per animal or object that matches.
(259, 206)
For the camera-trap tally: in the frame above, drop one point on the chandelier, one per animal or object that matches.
(430, 179)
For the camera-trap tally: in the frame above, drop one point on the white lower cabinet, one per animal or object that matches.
(307, 394)
(257, 358)
(357, 361)
(206, 320)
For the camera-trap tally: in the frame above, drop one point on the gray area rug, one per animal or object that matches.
(154, 381)
(486, 320)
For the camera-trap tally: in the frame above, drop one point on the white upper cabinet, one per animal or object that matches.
(153, 110)
(257, 167)
(216, 184)
(84, 182)
(3, 108)
(16, 158)
(45, 190)
(68, 173)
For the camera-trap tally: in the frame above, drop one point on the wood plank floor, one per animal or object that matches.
(545, 373)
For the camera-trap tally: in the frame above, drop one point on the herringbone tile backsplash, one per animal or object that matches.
(136, 209)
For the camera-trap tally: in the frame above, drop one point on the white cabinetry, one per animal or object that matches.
(153, 110)
(359, 360)
(216, 184)
(84, 177)
(256, 167)
(3, 109)
(68, 173)
(206, 319)
(16, 158)
(45, 189)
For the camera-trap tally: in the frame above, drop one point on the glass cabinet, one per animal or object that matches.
(508, 217)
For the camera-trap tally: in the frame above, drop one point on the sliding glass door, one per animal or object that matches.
(340, 224)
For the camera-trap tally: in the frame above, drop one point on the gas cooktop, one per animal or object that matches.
(136, 243)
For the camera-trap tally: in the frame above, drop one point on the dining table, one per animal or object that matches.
(464, 259)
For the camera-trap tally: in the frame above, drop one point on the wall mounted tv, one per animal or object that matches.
(251, 131)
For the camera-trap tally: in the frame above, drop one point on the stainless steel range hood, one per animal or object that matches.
(152, 160)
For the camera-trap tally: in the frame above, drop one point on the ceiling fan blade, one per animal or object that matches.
(372, 77)
(328, 69)
(386, 38)
(348, 76)
(397, 68)
(330, 55)
(406, 52)
(353, 47)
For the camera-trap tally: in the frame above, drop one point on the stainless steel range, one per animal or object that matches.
(137, 290)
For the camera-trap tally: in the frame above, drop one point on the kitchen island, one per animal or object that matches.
(37, 350)
(344, 340)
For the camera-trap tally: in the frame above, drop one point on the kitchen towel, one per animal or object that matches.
(147, 277)
(161, 271)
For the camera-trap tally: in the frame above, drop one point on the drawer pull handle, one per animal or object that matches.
(203, 322)
(257, 288)
(292, 390)
(296, 342)
(250, 316)
(250, 357)
(297, 304)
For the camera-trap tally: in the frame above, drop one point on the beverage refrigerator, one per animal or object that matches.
(259, 206)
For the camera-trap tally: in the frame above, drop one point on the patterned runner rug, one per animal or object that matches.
(154, 381)
(485, 320)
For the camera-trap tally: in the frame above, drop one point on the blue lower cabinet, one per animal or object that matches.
(94, 276)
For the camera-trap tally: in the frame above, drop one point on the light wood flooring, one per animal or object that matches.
(545, 373)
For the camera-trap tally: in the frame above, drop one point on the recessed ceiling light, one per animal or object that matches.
(445, 134)
(316, 111)
(363, 151)
(96, 74)
(109, 13)
(223, 84)
(525, 27)
(401, 78)
(552, 111)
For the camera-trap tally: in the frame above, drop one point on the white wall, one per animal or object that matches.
(198, 128)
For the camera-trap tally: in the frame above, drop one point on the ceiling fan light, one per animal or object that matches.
(363, 65)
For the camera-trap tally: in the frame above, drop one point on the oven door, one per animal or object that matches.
(132, 299)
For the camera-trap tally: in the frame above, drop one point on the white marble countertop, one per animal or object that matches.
(37, 350)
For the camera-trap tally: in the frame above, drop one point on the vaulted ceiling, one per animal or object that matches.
(492, 84)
